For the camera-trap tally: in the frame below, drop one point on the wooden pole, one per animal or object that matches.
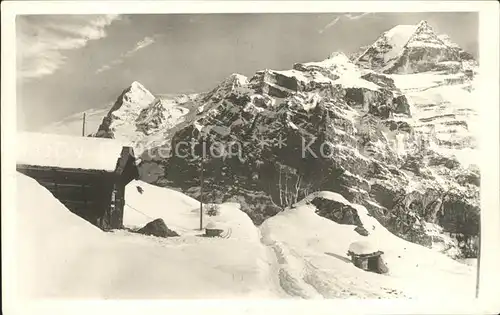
(201, 184)
(478, 262)
(83, 126)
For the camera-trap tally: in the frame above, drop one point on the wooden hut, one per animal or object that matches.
(366, 257)
(88, 175)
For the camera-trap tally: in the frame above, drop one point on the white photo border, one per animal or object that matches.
(490, 207)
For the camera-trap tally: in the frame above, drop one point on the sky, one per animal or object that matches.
(67, 64)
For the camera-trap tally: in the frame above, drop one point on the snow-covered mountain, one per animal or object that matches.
(413, 48)
(396, 126)
(143, 119)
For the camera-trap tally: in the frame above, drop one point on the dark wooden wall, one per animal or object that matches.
(85, 193)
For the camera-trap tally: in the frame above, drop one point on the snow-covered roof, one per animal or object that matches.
(211, 226)
(363, 248)
(39, 149)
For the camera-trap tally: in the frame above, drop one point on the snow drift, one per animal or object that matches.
(63, 256)
(312, 252)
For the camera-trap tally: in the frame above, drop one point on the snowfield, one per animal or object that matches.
(436, 106)
(63, 256)
(296, 254)
(312, 252)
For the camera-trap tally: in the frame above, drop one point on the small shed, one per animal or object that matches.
(211, 230)
(365, 256)
(88, 175)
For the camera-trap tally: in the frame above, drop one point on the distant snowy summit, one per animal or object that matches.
(414, 48)
(142, 118)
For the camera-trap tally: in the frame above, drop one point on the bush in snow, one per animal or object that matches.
(212, 210)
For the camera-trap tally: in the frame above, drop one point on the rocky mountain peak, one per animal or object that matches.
(423, 35)
(413, 49)
(339, 57)
(126, 108)
(423, 25)
(137, 85)
(227, 85)
(136, 94)
(233, 81)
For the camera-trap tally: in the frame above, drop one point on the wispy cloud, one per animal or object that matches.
(347, 16)
(42, 40)
(145, 42)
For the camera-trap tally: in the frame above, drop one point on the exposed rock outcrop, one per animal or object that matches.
(157, 228)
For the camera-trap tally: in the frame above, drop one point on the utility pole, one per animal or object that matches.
(201, 182)
(478, 262)
(83, 126)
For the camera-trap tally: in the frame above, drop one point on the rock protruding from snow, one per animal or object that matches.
(157, 228)
(339, 212)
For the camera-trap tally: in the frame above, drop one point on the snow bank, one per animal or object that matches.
(182, 213)
(319, 261)
(51, 241)
(145, 202)
(63, 256)
(68, 152)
